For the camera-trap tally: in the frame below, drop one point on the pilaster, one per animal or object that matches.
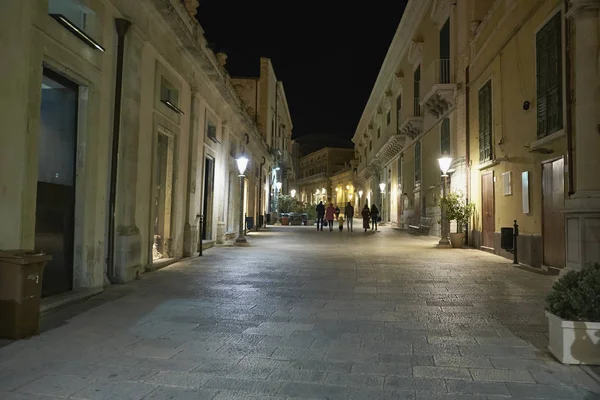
(582, 211)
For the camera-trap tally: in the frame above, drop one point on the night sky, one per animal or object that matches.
(327, 56)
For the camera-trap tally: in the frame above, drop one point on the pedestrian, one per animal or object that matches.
(329, 215)
(374, 216)
(337, 212)
(349, 214)
(320, 215)
(341, 222)
(366, 216)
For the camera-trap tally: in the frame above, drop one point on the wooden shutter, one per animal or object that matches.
(398, 111)
(485, 122)
(445, 137)
(549, 77)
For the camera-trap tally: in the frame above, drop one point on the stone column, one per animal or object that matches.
(128, 242)
(195, 168)
(583, 207)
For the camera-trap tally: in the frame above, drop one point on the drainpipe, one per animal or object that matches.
(260, 192)
(569, 121)
(256, 102)
(468, 141)
(122, 26)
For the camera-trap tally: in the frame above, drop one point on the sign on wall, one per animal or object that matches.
(525, 188)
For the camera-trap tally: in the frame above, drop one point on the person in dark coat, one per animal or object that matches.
(320, 215)
(349, 214)
(374, 216)
(366, 216)
(337, 212)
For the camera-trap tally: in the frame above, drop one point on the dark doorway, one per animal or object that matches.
(553, 220)
(55, 202)
(209, 177)
(488, 224)
(163, 189)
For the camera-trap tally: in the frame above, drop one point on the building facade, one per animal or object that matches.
(499, 86)
(266, 103)
(317, 170)
(124, 134)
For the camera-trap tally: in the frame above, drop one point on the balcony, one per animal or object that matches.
(439, 87)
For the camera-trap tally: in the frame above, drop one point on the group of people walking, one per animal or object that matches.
(326, 215)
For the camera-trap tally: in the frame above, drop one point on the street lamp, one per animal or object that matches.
(293, 192)
(444, 163)
(242, 163)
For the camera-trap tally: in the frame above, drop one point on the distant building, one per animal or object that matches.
(266, 103)
(316, 170)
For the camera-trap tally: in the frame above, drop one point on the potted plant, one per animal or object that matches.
(573, 312)
(285, 205)
(311, 214)
(457, 209)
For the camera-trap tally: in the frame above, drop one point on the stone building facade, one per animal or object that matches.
(506, 88)
(266, 103)
(124, 130)
(317, 170)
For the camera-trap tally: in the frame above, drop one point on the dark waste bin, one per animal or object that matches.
(249, 222)
(21, 274)
(506, 238)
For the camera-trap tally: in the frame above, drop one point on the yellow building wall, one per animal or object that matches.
(509, 61)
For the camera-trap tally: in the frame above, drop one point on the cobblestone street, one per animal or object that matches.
(302, 314)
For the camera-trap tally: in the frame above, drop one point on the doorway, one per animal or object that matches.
(209, 175)
(553, 222)
(488, 224)
(55, 201)
(163, 189)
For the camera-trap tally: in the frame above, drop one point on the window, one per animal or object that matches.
(389, 117)
(378, 132)
(370, 145)
(549, 77)
(398, 111)
(485, 122)
(417, 163)
(211, 130)
(169, 96)
(417, 91)
(77, 18)
(445, 137)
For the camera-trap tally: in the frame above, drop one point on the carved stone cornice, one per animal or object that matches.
(391, 149)
(415, 53)
(440, 12)
(191, 6)
(579, 6)
(411, 127)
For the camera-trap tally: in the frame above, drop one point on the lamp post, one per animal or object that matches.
(444, 162)
(242, 163)
(382, 190)
(293, 192)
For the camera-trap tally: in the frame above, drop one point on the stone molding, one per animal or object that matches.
(578, 6)
(191, 7)
(391, 149)
(411, 127)
(441, 11)
(415, 53)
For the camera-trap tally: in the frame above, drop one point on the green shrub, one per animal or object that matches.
(457, 209)
(576, 295)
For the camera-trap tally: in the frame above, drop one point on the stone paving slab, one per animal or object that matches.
(301, 314)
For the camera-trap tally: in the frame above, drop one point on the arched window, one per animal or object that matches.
(417, 163)
(445, 137)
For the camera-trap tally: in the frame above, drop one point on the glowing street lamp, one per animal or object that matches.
(293, 192)
(382, 187)
(360, 193)
(242, 164)
(444, 163)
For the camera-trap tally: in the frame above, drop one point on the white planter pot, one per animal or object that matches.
(457, 239)
(574, 342)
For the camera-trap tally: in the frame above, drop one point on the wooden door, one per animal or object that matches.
(487, 211)
(553, 222)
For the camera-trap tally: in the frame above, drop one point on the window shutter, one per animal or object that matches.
(398, 112)
(485, 122)
(549, 77)
(445, 137)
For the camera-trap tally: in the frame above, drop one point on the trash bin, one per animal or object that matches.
(506, 238)
(21, 274)
(249, 223)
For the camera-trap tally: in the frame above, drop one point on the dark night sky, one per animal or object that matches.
(327, 55)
